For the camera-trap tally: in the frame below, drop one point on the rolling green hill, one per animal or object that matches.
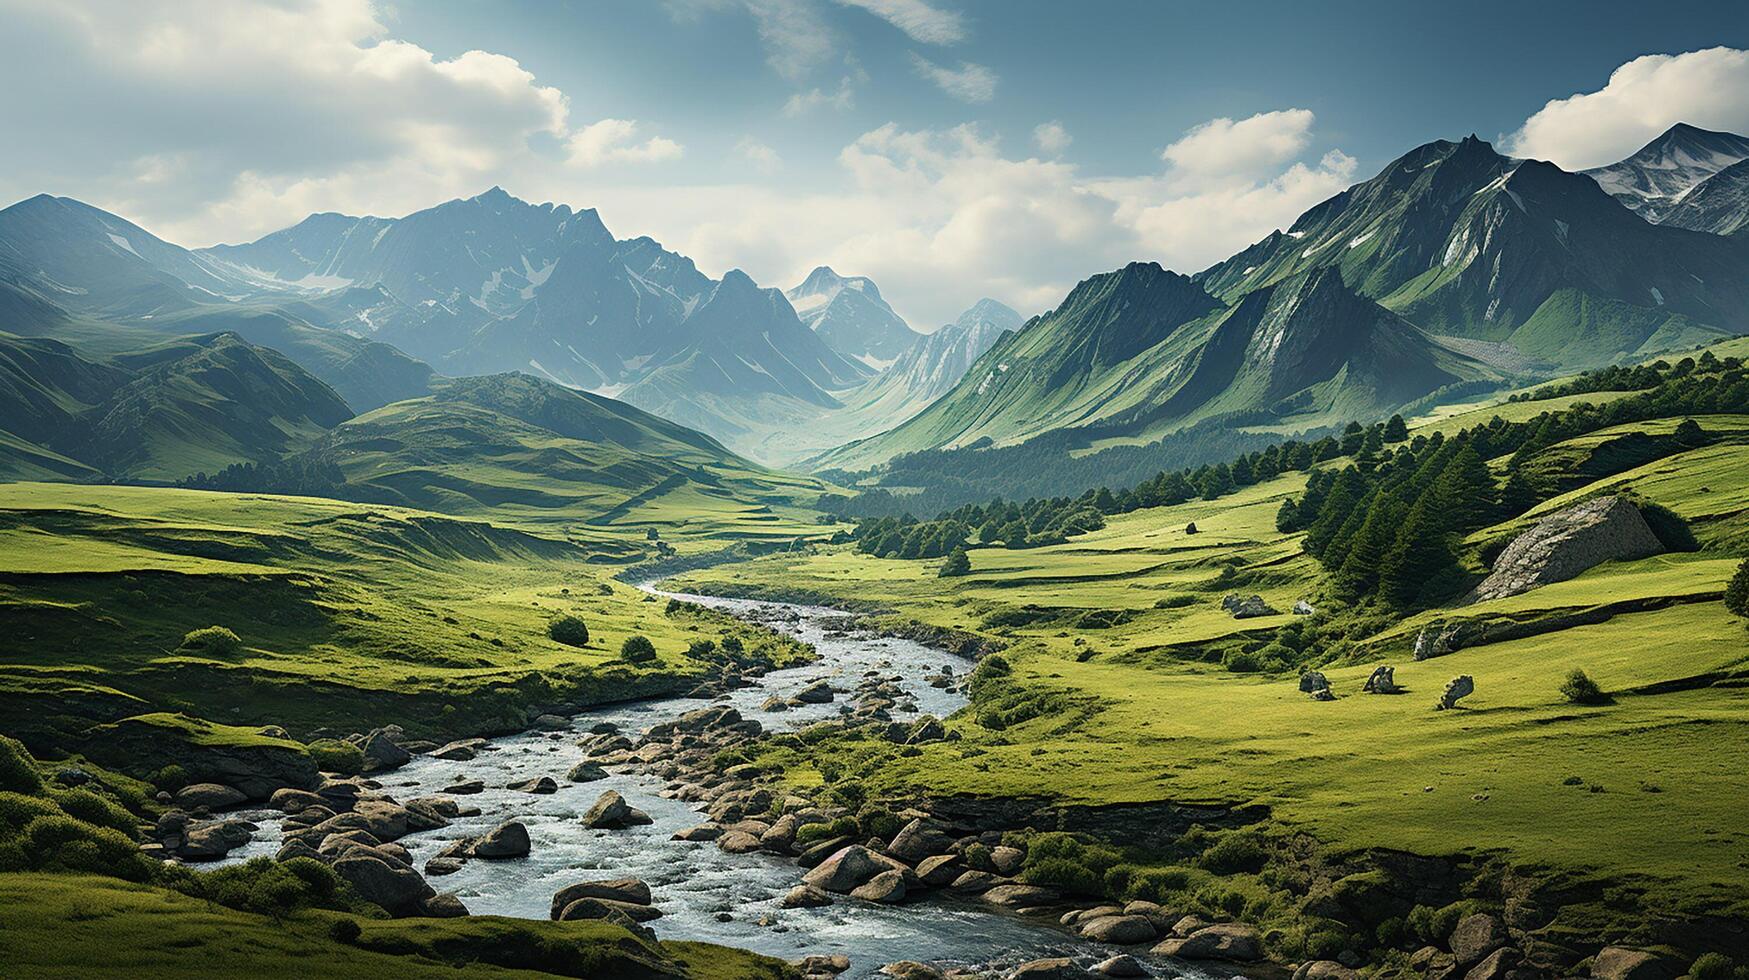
(158, 414)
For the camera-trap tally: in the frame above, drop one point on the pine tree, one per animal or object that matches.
(1466, 491)
(1287, 519)
(1352, 438)
(1421, 560)
(958, 563)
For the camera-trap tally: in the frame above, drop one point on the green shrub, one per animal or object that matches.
(1063, 875)
(336, 756)
(637, 650)
(82, 804)
(1737, 591)
(344, 931)
(1712, 966)
(1242, 661)
(18, 809)
(1175, 602)
(61, 843)
(875, 821)
(1581, 689)
(17, 769)
(978, 858)
(1233, 854)
(1433, 925)
(732, 645)
(813, 833)
(569, 630)
(212, 641)
(170, 778)
(1157, 885)
(267, 887)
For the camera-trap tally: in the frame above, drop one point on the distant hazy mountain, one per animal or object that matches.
(162, 413)
(1652, 180)
(1141, 351)
(935, 362)
(1467, 243)
(72, 271)
(1718, 204)
(851, 317)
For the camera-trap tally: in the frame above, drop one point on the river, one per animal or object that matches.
(704, 893)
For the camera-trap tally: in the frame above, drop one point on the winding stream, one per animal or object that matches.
(704, 893)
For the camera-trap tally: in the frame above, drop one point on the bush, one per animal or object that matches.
(344, 931)
(17, 769)
(637, 650)
(82, 804)
(957, 564)
(18, 809)
(1233, 854)
(1159, 885)
(1063, 875)
(813, 833)
(63, 843)
(336, 756)
(267, 887)
(1433, 925)
(569, 630)
(732, 645)
(1737, 592)
(1580, 689)
(1175, 602)
(212, 641)
(1711, 966)
(170, 778)
(978, 858)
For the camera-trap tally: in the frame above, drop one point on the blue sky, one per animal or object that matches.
(951, 149)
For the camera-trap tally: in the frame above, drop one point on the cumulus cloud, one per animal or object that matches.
(968, 83)
(841, 99)
(924, 23)
(1643, 98)
(212, 117)
(1222, 148)
(615, 141)
(1051, 138)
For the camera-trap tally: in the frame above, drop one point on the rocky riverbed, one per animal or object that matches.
(630, 792)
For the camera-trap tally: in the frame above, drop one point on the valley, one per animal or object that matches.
(476, 592)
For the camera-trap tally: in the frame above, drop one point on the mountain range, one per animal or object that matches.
(1456, 267)
(1453, 269)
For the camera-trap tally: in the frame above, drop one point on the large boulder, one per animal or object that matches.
(381, 752)
(917, 840)
(1623, 963)
(611, 812)
(398, 888)
(846, 869)
(1230, 941)
(603, 908)
(1382, 680)
(1247, 607)
(887, 888)
(1566, 543)
(1476, 936)
(1020, 896)
(1121, 930)
(819, 692)
(213, 796)
(507, 840)
(1054, 968)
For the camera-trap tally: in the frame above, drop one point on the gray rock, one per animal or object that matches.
(461, 751)
(399, 889)
(611, 812)
(381, 752)
(1567, 543)
(467, 788)
(294, 800)
(917, 840)
(819, 692)
(586, 772)
(940, 870)
(1382, 680)
(444, 905)
(1247, 607)
(1312, 681)
(1623, 963)
(1461, 686)
(1007, 860)
(439, 866)
(552, 723)
(975, 882)
(1497, 965)
(1020, 896)
(627, 891)
(806, 897)
(1120, 930)
(602, 908)
(701, 833)
(1054, 968)
(507, 840)
(542, 786)
(926, 729)
(886, 888)
(1230, 941)
(1304, 608)
(210, 795)
(738, 842)
(1475, 937)
(1324, 970)
(846, 869)
(1121, 965)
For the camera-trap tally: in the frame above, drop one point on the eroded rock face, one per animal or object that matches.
(1566, 543)
(1247, 607)
(1382, 680)
(1461, 686)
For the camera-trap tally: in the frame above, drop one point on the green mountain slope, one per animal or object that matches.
(522, 448)
(1466, 242)
(157, 414)
(1142, 351)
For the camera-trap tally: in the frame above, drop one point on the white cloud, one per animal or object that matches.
(840, 100)
(923, 22)
(229, 118)
(613, 141)
(1642, 99)
(796, 38)
(1222, 148)
(762, 157)
(1051, 138)
(970, 83)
